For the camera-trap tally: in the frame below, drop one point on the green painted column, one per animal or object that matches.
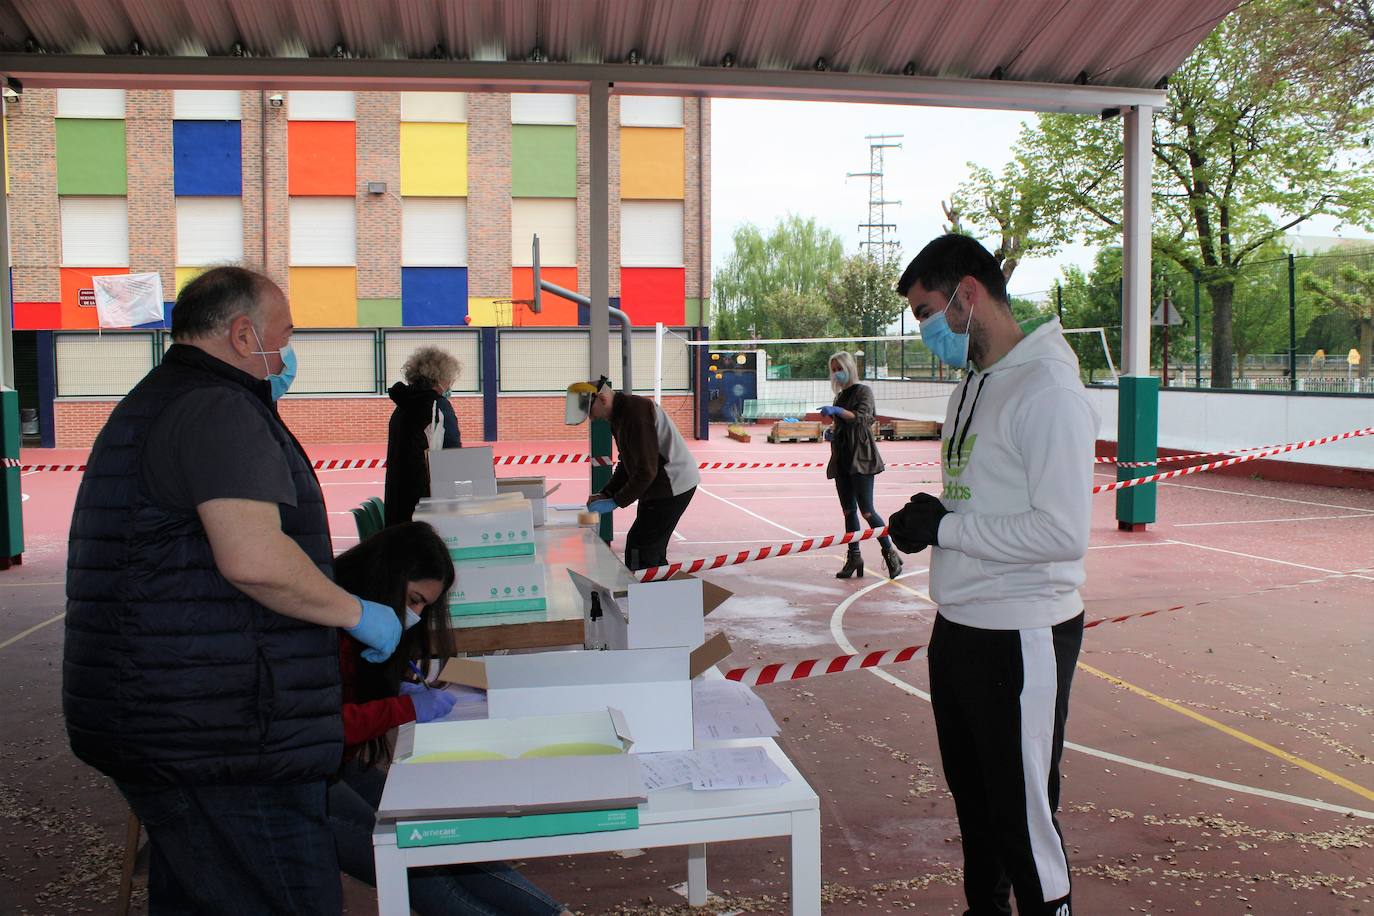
(11, 499)
(1137, 428)
(601, 446)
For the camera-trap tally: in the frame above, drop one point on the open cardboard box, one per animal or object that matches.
(647, 615)
(533, 490)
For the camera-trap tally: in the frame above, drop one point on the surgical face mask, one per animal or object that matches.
(411, 619)
(943, 341)
(280, 381)
(840, 376)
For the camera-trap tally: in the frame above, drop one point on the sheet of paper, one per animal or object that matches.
(472, 703)
(667, 769)
(729, 709)
(737, 768)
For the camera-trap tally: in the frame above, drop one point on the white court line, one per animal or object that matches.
(837, 633)
(679, 536)
(1282, 499)
(1270, 521)
(1251, 556)
(1123, 546)
(701, 489)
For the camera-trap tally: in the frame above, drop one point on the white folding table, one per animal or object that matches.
(671, 817)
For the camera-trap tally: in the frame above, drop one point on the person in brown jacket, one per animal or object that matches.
(855, 462)
(655, 468)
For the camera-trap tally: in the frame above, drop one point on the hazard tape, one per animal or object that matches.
(351, 464)
(819, 667)
(11, 462)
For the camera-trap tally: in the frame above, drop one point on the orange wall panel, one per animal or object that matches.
(324, 297)
(320, 158)
(651, 163)
(557, 311)
(75, 316)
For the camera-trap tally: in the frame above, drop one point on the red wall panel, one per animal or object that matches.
(37, 316)
(320, 158)
(649, 294)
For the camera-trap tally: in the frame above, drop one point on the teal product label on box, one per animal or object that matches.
(473, 608)
(410, 834)
(506, 549)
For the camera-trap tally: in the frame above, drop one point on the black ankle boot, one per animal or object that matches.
(894, 562)
(853, 566)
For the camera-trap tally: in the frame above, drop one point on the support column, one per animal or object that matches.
(1138, 394)
(11, 502)
(491, 385)
(599, 278)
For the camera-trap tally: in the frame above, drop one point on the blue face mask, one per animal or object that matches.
(280, 381)
(841, 377)
(940, 338)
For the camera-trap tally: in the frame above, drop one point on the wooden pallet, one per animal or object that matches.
(912, 429)
(801, 431)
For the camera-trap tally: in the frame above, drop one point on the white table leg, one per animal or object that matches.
(696, 874)
(393, 889)
(806, 863)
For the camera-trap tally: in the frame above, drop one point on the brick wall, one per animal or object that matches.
(35, 226)
(696, 208)
(152, 198)
(278, 205)
(379, 215)
(489, 207)
(250, 152)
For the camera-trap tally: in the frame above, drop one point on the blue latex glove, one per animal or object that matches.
(377, 628)
(429, 704)
(603, 505)
(830, 410)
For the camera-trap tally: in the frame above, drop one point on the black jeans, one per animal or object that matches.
(1000, 699)
(856, 496)
(646, 545)
(238, 850)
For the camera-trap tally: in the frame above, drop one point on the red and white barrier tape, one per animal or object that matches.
(11, 462)
(819, 667)
(351, 464)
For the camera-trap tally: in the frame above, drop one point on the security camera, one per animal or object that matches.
(276, 99)
(10, 95)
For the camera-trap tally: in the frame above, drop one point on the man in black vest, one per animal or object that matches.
(201, 667)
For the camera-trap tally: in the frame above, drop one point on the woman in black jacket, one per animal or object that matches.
(421, 412)
(855, 462)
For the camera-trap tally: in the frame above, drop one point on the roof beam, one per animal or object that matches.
(152, 72)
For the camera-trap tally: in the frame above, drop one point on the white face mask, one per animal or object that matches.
(412, 618)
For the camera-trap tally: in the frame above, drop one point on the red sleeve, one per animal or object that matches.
(364, 721)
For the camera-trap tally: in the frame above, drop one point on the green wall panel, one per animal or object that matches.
(90, 157)
(379, 313)
(543, 160)
(693, 315)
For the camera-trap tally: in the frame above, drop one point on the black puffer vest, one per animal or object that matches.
(170, 674)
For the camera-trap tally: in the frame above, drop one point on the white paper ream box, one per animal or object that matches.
(533, 490)
(498, 585)
(449, 466)
(513, 779)
(652, 687)
(472, 534)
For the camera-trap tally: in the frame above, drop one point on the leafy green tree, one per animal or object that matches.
(1349, 293)
(863, 295)
(1013, 207)
(798, 257)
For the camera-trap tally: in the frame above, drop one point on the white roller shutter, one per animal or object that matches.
(465, 346)
(555, 222)
(206, 105)
(434, 106)
(434, 232)
(650, 111)
(90, 103)
(320, 106)
(209, 231)
(95, 232)
(650, 233)
(323, 232)
(335, 363)
(542, 108)
(542, 360)
(101, 365)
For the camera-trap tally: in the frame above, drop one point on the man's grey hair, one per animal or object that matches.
(208, 304)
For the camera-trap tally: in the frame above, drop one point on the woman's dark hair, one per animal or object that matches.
(379, 569)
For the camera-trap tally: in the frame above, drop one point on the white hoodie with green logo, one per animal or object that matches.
(1017, 462)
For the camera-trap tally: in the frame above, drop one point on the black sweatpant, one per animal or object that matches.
(1000, 699)
(646, 544)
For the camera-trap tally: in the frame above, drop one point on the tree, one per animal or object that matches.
(1350, 293)
(798, 257)
(1240, 158)
(863, 295)
(1013, 207)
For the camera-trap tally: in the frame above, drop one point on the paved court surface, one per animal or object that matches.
(1220, 756)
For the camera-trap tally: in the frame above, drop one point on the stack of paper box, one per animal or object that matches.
(491, 541)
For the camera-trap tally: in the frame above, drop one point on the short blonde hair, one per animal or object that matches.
(430, 367)
(847, 363)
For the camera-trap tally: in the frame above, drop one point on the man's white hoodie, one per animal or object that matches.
(1017, 461)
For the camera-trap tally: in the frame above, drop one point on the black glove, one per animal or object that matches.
(916, 526)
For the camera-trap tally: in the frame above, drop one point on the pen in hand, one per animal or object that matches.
(420, 674)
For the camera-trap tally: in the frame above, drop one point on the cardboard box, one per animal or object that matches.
(453, 469)
(647, 615)
(473, 534)
(499, 585)
(532, 488)
(512, 795)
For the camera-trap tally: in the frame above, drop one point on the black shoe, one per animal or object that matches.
(893, 561)
(853, 566)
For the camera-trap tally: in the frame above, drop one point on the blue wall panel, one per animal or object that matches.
(208, 158)
(434, 296)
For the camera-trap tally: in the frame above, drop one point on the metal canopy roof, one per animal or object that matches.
(1022, 54)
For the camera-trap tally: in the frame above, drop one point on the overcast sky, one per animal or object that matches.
(772, 158)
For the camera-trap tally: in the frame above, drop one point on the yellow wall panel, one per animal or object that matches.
(434, 160)
(186, 275)
(651, 163)
(482, 312)
(324, 297)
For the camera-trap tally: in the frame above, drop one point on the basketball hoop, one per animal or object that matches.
(505, 311)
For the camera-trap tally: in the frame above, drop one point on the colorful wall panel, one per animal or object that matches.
(90, 157)
(95, 230)
(320, 158)
(486, 312)
(208, 158)
(185, 275)
(379, 313)
(650, 294)
(78, 295)
(554, 221)
(651, 163)
(543, 160)
(650, 233)
(434, 296)
(324, 297)
(557, 311)
(434, 160)
(324, 232)
(37, 316)
(434, 232)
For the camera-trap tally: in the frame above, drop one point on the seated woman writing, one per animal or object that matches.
(406, 567)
